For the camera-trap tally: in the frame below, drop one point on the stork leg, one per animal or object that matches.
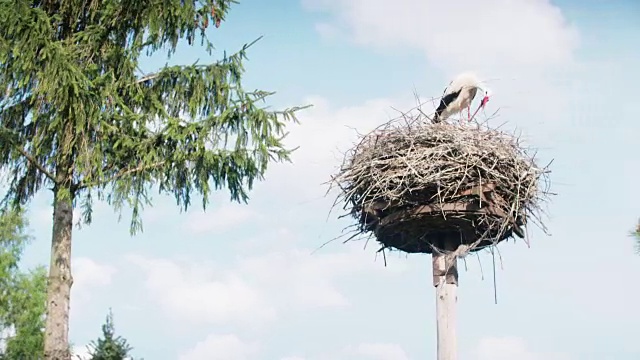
(469, 112)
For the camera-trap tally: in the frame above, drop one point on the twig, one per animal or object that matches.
(495, 286)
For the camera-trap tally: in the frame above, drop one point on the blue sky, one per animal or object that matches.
(240, 282)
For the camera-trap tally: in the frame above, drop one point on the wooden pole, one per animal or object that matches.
(445, 280)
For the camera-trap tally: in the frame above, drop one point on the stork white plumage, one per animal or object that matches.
(459, 95)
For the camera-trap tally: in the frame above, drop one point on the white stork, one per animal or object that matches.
(459, 95)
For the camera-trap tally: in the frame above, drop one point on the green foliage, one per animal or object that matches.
(22, 295)
(636, 235)
(109, 346)
(80, 116)
(13, 238)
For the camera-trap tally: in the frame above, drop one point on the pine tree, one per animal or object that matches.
(22, 294)
(110, 346)
(78, 117)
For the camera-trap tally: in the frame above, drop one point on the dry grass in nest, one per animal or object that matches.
(419, 187)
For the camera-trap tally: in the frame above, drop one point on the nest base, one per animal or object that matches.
(444, 227)
(429, 234)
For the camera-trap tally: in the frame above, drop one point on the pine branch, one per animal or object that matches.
(10, 138)
(35, 163)
(121, 174)
(147, 78)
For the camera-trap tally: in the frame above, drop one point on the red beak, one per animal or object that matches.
(484, 102)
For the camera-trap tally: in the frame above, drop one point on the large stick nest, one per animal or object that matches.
(419, 187)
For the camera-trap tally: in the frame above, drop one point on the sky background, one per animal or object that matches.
(240, 282)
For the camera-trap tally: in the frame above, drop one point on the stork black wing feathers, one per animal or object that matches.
(444, 102)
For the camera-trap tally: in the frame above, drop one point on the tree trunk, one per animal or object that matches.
(445, 279)
(56, 337)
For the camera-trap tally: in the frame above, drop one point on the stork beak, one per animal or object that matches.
(484, 102)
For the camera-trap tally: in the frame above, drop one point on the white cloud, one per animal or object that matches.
(362, 351)
(222, 219)
(327, 132)
(488, 348)
(381, 351)
(310, 278)
(221, 347)
(251, 291)
(523, 49)
(279, 237)
(195, 292)
(482, 34)
(511, 347)
(88, 275)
